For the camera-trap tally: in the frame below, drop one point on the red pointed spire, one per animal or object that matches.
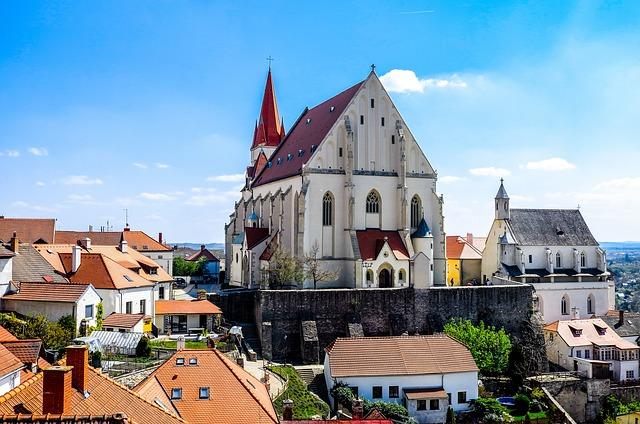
(269, 131)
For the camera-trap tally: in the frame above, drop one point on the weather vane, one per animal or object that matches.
(270, 59)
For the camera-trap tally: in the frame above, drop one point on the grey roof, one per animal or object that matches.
(502, 193)
(30, 267)
(114, 341)
(6, 253)
(630, 326)
(550, 227)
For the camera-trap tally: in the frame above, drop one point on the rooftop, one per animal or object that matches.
(48, 292)
(592, 331)
(164, 307)
(28, 230)
(138, 240)
(550, 227)
(29, 266)
(122, 320)
(371, 242)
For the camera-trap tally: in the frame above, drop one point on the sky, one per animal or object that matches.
(149, 106)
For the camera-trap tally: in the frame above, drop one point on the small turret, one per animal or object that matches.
(252, 220)
(422, 241)
(502, 202)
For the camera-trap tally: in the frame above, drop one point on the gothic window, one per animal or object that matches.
(558, 260)
(373, 202)
(590, 305)
(327, 210)
(401, 276)
(369, 277)
(393, 139)
(382, 121)
(583, 260)
(361, 119)
(564, 305)
(416, 211)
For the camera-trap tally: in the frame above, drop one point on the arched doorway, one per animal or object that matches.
(384, 278)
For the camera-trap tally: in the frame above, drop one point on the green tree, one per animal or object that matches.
(285, 269)
(451, 416)
(183, 267)
(68, 323)
(490, 347)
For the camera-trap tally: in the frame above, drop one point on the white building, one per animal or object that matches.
(553, 250)
(591, 347)
(426, 374)
(350, 180)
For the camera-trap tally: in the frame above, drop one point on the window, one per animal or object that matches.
(159, 256)
(143, 306)
(128, 307)
(361, 119)
(340, 151)
(179, 361)
(394, 392)
(583, 260)
(530, 259)
(204, 393)
(369, 277)
(327, 210)
(373, 202)
(236, 258)
(462, 397)
(160, 292)
(401, 275)
(382, 121)
(193, 361)
(88, 311)
(630, 375)
(377, 392)
(416, 211)
(422, 405)
(590, 306)
(449, 398)
(558, 260)
(434, 404)
(564, 305)
(393, 139)
(587, 354)
(578, 354)
(176, 393)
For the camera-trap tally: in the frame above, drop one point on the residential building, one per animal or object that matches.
(179, 316)
(19, 360)
(128, 323)
(212, 263)
(630, 418)
(77, 389)
(348, 178)
(29, 230)
(140, 241)
(10, 368)
(625, 324)
(555, 252)
(427, 374)
(464, 259)
(205, 386)
(592, 348)
(6, 268)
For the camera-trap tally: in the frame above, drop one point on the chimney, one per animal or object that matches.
(78, 358)
(202, 247)
(576, 313)
(180, 343)
(57, 390)
(76, 257)
(86, 243)
(160, 238)
(14, 243)
(357, 409)
(620, 317)
(124, 246)
(470, 238)
(90, 228)
(202, 295)
(287, 410)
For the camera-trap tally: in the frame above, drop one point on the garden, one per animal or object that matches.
(306, 405)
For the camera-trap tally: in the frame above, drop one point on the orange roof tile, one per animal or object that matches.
(66, 419)
(138, 240)
(48, 292)
(5, 335)
(26, 350)
(122, 320)
(398, 355)
(9, 363)
(28, 230)
(592, 331)
(240, 399)
(186, 307)
(458, 248)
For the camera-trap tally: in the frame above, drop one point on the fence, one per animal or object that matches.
(117, 365)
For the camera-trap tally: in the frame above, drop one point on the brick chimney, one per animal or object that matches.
(470, 238)
(357, 409)
(78, 358)
(57, 390)
(287, 410)
(621, 317)
(14, 243)
(160, 238)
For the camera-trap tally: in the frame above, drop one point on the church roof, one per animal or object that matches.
(502, 193)
(550, 227)
(371, 242)
(269, 130)
(306, 135)
(422, 230)
(255, 236)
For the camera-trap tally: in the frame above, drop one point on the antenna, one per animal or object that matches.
(126, 217)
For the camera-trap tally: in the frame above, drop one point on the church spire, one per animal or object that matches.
(270, 129)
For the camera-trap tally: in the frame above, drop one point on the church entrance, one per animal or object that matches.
(384, 278)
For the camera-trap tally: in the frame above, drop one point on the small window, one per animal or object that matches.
(161, 293)
(308, 121)
(340, 151)
(278, 161)
(434, 404)
(564, 305)
(269, 164)
(289, 156)
(530, 259)
(587, 354)
(462, 397)
(313, 148)
(128, 307)
(176, 393)
(630, 374)
(558, 260)
(126, 277)
(583, 260)
(193, 361)
(382, 121)
(373, 202)
(300, 153)
(179, 361)
(422, 405)
(578, 353)
(88, 311)
(143, 306)
(236, 258)
(449, 398)
(393, 139)
(159, 256)
(204, 393)
(377, 392)
(361, 119)
(373, 103)
(332, 108)
(394, 392)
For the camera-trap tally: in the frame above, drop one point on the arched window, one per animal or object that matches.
(327, 210)
(558, 260)
(401, 276)
(591, 304)
(564, 305)
(583, 260)
(416, 211)
(369, 277)
(373, 202)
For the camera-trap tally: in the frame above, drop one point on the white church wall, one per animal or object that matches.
(551, 295)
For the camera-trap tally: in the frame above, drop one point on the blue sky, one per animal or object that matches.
(150, 105)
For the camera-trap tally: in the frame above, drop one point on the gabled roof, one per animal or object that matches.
(458, 248)
(309, 130)
(581, 332)
(630, 325)
(122, 320)
(6, 336)
(48, 292)
(550, 227)
(64, 419)
(371, 242)
(269, 130)
(29, 266)
(204, 253)
(398, 355)
(9, 363)
(255, 236)
(6, 253)
(235, 396)
(28, 230)
(26, 350)
(138, 240)
(165, 307)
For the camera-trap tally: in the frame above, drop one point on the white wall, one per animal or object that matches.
(6, 273)
(164, 259)
(115, 300)
(90, 297)
(551, 297)
(9, 382)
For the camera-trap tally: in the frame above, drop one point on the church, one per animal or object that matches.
(348, 184)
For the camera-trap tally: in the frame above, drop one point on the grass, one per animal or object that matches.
(172, 344)
(532, 416)
(305, 404)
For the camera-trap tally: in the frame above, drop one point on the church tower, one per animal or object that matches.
(269, 129)
(502, 202)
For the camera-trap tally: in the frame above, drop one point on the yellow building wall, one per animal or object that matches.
(454, 271)
(632, 418)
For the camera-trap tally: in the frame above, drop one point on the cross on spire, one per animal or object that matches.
(270, 59)
(373, 67)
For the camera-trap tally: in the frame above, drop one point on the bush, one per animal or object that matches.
(143, 350)
(305, 403)
(489, 410)
(536, 406)
(394, 411)
(451, 416)
(522, 403)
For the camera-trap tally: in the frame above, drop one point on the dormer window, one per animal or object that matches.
(193, 361)
(577, 332)
(176, 393)
(332, 108)
(204, 393)
(559, 231)
(308, 121)
(300, 153)
(278, 161)
(601, 330)
(179, 361)
(313, 148)
(289, 156)
(269, 164)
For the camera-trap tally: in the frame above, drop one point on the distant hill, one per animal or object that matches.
(196, 246)
(622, 245)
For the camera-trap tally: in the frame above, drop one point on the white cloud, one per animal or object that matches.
(161, 165)
(157, 197)
(140, 165)
(490, 171)
(551, 164)
(38, 151)
(207, 196)
(406, 81)
(82, 199)
(231, 178)
(40, 184)
(81, 180)
(620, 184)
(11, 153)
(450, 179)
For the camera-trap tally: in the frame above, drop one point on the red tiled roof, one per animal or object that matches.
(235, 396)
(458, 248)
(255, 236)
(26, 350)
(103, 272)
(138, 240)
(371, 242)
(28, 230)
(64, 419)
(9, 363)
(5, 335)
(437, 393)
(164, 307)
(122, 320)
(48, 292)
(206, 253)
(269, 130)
(303, 135)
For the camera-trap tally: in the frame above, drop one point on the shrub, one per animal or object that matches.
(451, 416)
(394, 411)
(489, 410)
(143, 349)
(522, 403)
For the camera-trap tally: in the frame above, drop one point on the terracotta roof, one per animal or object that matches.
(122, 320)
(269, 130)
(592, 331)
(432, 393)
(255, 235)
(48, 292)
(30, 267)
(64, 419)
(28, 230)
(186, 307)
(398, 355)
(9, 363)
(371, 242)
(310, 129)
(259, 164)
(235, 396)
(6, 253)
(204, 253)
(5, 335)
(26, 350)
(105, 397)
(138, 240)
(458, 248)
